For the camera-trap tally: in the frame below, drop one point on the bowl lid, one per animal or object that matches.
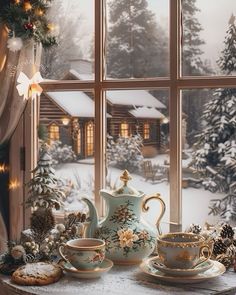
(125, 189)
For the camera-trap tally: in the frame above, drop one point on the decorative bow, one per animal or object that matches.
(29, 87)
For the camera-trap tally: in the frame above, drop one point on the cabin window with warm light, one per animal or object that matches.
(78, 142)
(90, 139)
(146, 130)
(124, 129)
(54, 132)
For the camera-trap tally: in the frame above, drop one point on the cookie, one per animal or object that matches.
(39, 273)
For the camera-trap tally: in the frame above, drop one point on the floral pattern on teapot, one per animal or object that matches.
(124, 238)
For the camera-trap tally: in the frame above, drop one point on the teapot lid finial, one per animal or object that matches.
(125, 189)
(125, 177)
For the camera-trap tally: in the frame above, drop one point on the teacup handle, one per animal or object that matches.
(163, 208)
(61, 250)
(205, 258)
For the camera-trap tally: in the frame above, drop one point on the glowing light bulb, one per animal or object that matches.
(14, 184)
(3, 168)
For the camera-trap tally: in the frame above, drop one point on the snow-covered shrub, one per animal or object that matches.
(61, 153)
(125, 152)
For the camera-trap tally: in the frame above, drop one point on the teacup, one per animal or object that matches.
(182, 250)
(83, 253)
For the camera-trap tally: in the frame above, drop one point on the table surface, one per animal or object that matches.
(123, 280)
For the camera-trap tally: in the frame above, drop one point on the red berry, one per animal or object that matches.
(28, 26)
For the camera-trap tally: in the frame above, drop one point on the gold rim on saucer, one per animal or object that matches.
(157, 264)
(216, 270)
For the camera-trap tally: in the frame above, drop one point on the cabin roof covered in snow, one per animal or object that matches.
(145, 112)
(75, 103)
(125, 97)
(134, 97)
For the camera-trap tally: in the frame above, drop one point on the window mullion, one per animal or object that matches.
(175, 120)
(99, 106)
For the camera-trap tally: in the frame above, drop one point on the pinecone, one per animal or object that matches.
(224, 259)
(227, 232)
(231, 251)
(228, 242)
(219, 247)
(195, 228)
(42, 221)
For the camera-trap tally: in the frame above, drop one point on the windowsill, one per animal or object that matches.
(123, 280)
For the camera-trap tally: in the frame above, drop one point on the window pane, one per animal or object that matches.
(206, 26)
(67, 125)
(73, 24)
(138, 140)
(137, 43)
(209, 157)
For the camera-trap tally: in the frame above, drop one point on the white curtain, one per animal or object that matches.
(12, 105)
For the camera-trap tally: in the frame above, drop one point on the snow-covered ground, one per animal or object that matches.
(195, 202)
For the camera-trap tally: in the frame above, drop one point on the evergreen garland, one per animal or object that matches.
(26, 20)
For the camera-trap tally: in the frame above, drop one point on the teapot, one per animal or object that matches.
(128, 237)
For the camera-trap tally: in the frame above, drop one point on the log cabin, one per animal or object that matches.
(68, 116)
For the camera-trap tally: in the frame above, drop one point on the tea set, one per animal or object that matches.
(123, 237)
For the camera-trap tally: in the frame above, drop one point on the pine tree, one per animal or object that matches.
(227, 61)
(192, 65)
(192, 61)
(43, 191)
(215, 157)
(137, 45)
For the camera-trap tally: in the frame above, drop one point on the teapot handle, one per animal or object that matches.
(145, 208)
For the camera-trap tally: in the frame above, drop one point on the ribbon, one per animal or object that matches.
(29, 87)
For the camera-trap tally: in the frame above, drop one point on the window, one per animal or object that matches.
(170, 80)
(54, 132)
(89, 139)
(78, 142)
(146, 131)
(124, 129)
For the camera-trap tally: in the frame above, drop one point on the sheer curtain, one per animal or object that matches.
(12, 105)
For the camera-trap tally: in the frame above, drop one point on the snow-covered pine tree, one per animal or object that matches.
(227, 61)
(192, 65)
(137, 45)
(192, 61)
(215, 156)
(43, 191)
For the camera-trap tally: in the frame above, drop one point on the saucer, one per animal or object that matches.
(157, 264)
(216, 270)
(104, 267)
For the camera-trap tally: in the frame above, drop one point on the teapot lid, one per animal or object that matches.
(125, 189)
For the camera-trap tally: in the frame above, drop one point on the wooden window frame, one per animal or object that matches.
(175, 83)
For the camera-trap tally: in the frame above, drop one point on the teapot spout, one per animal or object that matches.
(93, 219)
